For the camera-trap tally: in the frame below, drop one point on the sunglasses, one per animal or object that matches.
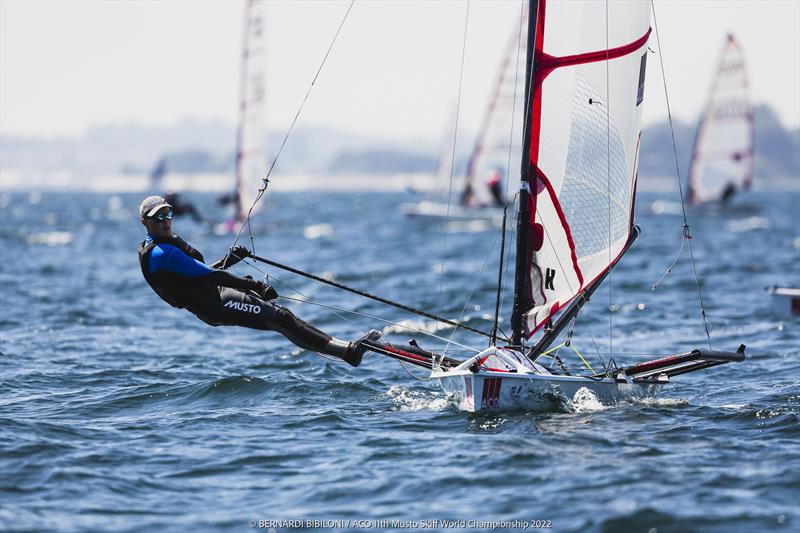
(161, 216)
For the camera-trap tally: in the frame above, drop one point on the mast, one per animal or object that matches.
(523, 215)
(240, 209)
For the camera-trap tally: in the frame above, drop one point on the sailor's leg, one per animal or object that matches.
(238, 308)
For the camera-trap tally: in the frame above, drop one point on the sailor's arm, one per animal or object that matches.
(180, 263)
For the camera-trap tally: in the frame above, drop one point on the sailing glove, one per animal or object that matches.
(236, 254)
(266, 291)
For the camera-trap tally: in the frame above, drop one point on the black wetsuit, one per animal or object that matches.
(178, 274)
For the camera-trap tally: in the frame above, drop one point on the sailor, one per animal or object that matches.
(467, 196)
(727, 194)
(178, 274)
(495, 185)
(182, 207)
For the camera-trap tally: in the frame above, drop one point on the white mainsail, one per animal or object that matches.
(250, 149)
(585, 124)
(722, 159)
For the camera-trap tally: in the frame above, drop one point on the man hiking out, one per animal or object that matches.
(178, 274)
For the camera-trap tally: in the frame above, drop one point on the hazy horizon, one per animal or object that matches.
(68, 66)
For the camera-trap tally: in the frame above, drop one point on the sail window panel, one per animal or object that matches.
(592, 172)
(576, 27)
(622, 77)
(555, 126)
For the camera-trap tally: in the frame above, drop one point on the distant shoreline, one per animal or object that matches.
(121, 183)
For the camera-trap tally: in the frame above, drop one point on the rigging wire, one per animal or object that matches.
(687, 238)
(608, 184)
(453, 153)
(473, 285)
(373, 317)
(338, 310)
(265, 179)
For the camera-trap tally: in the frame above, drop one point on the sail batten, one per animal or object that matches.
(585, 114)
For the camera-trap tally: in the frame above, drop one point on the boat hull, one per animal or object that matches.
(502, 391)
(785, 300)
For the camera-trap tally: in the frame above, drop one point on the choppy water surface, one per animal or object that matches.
(120, 413)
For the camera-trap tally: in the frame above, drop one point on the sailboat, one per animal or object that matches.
(584, 88)
(584, 92)
(722, 157)
(482, 193)
(785, 300)
(250, 149)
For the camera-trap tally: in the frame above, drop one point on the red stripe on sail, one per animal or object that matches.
(554, 199)
(548, 63)
(536, 94)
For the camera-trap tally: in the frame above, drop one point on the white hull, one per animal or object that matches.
(785, 300)
(531, 387)
(501, 391)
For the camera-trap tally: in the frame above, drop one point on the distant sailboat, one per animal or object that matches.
(482, 194)
(785, 300)
(251, 158)
(157, 173)
(722, 158)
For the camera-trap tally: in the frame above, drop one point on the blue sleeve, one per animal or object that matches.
(169, 258)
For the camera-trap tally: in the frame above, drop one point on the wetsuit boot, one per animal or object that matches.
(307, 336)
(354, 351)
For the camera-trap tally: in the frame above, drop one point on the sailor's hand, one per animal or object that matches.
(266, 291)
(239, 252)
(236, 254)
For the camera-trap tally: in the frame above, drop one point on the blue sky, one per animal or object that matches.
(66, 65)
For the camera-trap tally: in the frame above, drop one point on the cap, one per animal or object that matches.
(151, 205)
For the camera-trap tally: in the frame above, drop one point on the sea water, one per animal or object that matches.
(121, 413)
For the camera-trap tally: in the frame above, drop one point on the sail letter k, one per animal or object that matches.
(549, 276)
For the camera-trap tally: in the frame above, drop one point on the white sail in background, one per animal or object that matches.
(501, 125)
(250, 146)
(722, 160)
(588, 92)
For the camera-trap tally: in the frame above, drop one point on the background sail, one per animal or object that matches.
(250, 151)
(506, 107)
(588, 90)
(723, 148)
